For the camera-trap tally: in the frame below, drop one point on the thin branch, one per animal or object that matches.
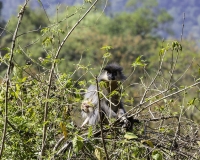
(65, 147)
(178, 127)
(173, 66)
(3, 29)
(44, 10)
(160, 118)
(50, 78)
(10, 66)
(164, 98)
(169, 95)
(158, 72)
(35, 30)
(58, 143)
(183, 26)
(103, 11)
(183, 72)
(101, 123)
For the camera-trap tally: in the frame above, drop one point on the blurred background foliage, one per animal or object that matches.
(136, 29)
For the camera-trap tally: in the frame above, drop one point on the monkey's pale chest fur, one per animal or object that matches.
(113, 95)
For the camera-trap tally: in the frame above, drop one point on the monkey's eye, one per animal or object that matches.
(108, 71)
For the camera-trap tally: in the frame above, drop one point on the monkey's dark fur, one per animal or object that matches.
(111, 106)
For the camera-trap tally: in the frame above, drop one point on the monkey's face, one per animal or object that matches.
(112, 72)
(87, 106)
(113, 75)
(110, 75)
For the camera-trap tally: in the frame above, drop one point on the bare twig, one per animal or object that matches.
(156, 101)
(3, 29)
(183, 26)
(35, 30)
(103, 11)
(10, 66)
(66, 146)
(58, 143)
(183, 73)
(44, 10)
(158, 72)
(160, 118)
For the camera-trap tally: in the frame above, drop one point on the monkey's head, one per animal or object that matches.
(87, 106)
(112, 72)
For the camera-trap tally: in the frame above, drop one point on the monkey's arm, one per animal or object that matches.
(85, 121)
(120, 113)
(107, 110)
(91, 118)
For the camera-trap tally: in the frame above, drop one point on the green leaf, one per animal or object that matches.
(139, 62)
(162, 129)
(64, 129)
(162, 51)
(99, 153)
(148, 142)
(77, 143)
(198, 142)
(191, 102)
(106, 48)
(130, 135)
(89, 132)
(88, 1)
(5, 49)
(176, 46)
(107, 55)
(23, 79)
(157, 155)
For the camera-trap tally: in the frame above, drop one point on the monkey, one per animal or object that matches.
(111, 104)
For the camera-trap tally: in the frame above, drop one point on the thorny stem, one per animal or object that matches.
(10, 66)
(50, 78)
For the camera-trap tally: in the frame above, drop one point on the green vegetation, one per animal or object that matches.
(44, 73)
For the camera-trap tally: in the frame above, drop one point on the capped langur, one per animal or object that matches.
(110, 97)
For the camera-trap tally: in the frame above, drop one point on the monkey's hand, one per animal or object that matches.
(126, 122)
(85, 122)
(123, 118)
